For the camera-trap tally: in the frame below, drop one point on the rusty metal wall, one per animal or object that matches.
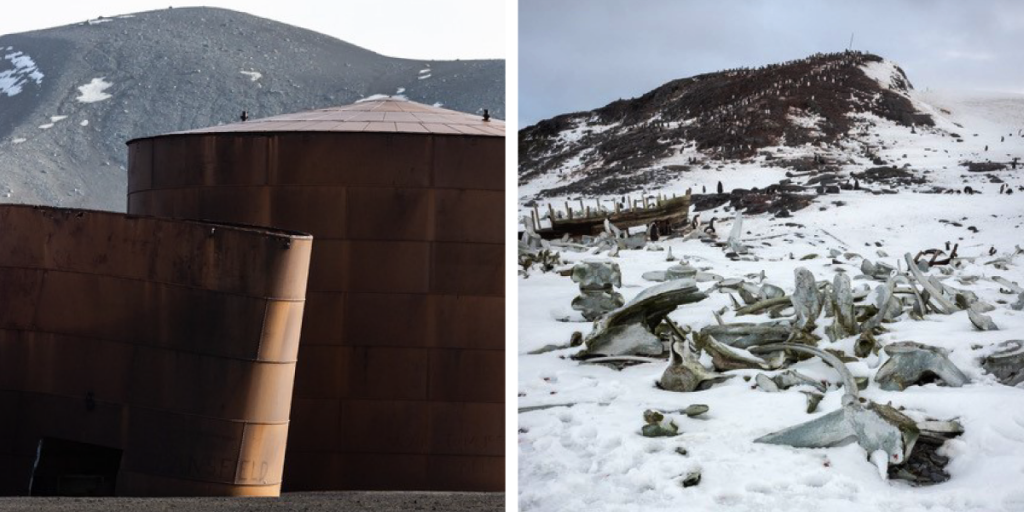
(400, 378)
(173, 341)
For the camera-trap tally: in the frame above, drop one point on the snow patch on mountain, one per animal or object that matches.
(806, 120)
(884, 72)
(93, 91)
(253, 75)
(24, 70)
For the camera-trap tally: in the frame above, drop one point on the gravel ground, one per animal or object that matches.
(348, 501)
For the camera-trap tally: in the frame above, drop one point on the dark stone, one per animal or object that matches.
(924, 466)
(691, 479)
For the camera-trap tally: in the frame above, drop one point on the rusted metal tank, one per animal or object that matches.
(400, 378)
(145, 356)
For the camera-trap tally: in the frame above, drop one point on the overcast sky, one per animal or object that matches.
(416, 29)
(582, 54)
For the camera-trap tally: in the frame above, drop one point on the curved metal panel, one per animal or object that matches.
(400, 374)
(172, 341)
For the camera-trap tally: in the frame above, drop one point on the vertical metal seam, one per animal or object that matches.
(238, 458)
(263, 328)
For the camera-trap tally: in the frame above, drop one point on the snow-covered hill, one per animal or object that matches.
(586, 451)
(851, 113)
(71, 96)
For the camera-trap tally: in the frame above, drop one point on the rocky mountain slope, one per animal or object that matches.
(707, 120)
(71, 96)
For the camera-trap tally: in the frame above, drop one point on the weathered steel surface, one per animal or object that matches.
(172, 341)
(400, 378)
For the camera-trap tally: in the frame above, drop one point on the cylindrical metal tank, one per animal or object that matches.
(165, 346)
(400, 379)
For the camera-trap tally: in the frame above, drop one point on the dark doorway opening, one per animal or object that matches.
(69, 468)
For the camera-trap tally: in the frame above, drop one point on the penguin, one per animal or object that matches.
(652, 231)
(710, 228)
(695, 223)
(245, 116)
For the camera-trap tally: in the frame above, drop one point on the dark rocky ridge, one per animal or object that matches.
(728, 115)
(178, 69)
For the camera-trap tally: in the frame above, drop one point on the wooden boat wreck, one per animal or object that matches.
(666, 212)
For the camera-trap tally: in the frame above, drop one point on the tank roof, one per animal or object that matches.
(385, 115)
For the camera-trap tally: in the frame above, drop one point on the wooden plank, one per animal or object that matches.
(673, 211)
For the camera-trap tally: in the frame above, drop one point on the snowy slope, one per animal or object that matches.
(571, 164)
(591, 456)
